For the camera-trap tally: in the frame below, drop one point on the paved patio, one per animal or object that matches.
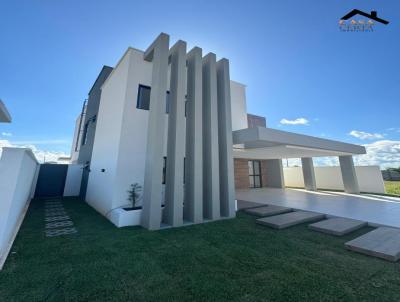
(374, 209)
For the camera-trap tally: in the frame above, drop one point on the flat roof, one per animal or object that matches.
(5, 116)
(267, 143)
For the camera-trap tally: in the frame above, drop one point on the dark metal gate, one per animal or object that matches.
(51, 180)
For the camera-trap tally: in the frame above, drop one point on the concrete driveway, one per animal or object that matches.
(375, 209)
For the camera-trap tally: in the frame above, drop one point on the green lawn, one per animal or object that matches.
(392, 187)
(230, 260)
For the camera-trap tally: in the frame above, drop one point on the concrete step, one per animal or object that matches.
(337, 226)
(243, 204)
(383, 242)
(290, 219)
(268, 210)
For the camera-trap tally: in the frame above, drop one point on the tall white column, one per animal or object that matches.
(349, 176)
(275, 178)
(308, 173)
(227, 184)
(176, 137)
(211, 192)
(158, 54)
(193, 209)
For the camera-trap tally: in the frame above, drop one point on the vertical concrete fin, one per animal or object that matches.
(349, 176)
(193, 209)
(227, 185)
(176, 137)
(308, 173)
(211, 203)
(152, 188)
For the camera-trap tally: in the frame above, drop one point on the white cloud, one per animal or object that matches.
(298, 121)
(6, 134)
(365, 135)
(385, 153)
(394, 129)
(41, 155)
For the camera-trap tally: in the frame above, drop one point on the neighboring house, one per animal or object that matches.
(5, 116)
(196, 151)
(390, 174)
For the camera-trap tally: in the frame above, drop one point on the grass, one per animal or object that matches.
(230, 260)
(392, 187)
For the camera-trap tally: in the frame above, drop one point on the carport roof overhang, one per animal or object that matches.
(4, 115)
(267, 143)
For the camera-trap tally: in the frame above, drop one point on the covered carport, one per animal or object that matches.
(273, 145)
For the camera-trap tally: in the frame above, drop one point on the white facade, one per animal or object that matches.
(121, 137)
(121, 133)
(77, 140)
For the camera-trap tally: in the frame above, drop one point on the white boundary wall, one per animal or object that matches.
(369, 178)
(18, 175)
(73, 180)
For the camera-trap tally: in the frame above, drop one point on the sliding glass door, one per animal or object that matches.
(255, 173)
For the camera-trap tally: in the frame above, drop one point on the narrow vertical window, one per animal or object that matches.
(164, 169)
(85, 131)
(254, 174)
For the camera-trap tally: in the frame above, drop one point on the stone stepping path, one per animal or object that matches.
(337, 226)
(383, 242)
(57, 222)
(268, 210)
(283, 221)
(243, 204)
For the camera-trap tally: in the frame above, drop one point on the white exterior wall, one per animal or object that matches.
(73, 180)
(18, 175)
(121, 132)
(101, 185)
(369, 178)
(75, 153)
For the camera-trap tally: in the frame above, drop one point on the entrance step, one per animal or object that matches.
(243, 204)
(337, 226)
(384, 242)
(268, 210)
(290, 219)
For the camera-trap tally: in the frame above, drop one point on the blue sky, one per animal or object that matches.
(296, 63)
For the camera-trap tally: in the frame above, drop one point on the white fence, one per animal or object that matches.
(18, 175)
(369, 178)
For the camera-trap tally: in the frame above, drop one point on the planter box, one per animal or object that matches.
(121, 217)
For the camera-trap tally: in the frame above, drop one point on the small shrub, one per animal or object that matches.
(134, 193)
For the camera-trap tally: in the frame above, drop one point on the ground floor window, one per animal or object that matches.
(254, 173)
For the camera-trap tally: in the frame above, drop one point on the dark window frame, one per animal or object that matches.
(85, 132)
(139, 101)
(256, 174)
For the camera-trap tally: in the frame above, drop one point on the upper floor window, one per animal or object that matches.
(143, 99)
(84, 135)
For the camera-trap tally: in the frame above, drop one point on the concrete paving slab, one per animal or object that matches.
(242, 204)
(289, 219)
(266, 211)
(337, 226)
(384, 242)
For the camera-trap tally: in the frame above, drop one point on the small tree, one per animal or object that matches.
(134, 193)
